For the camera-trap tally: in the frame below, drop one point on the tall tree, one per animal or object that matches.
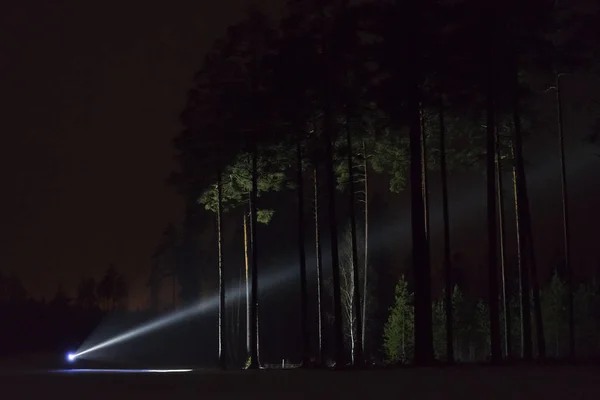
(491, 199)
(302, 254)
(222, 308)
(357, 354)
(447, 249)
(518, 188)
(565, 219)
(319, 268)
(503, 261)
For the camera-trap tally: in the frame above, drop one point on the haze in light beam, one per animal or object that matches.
(269, 282)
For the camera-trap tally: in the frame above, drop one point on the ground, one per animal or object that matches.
(507, 383)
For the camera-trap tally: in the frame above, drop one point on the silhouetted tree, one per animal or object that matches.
(106, 288)
(86, 293)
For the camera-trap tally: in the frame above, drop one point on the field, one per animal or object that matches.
(521, 382)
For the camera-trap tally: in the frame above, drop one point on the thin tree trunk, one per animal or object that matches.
(496, 349)
(247, 265)
(335, 260)
(424, 175)
(254, 338)
(222, 316)
(321, 325)
(447, 249)
(329, 131)
(518, 172)
(421, 262)
(366, 262)
(565, 210)
(535, 287)
(505, 296)
(357, 356)
(302, 258)
(237, 316)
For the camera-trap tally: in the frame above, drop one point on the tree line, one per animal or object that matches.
(471, 324)
(58, 323)
(336, 92)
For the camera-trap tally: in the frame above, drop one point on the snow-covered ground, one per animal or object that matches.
(521, 382)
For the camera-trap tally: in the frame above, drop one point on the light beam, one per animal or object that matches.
(272, 280)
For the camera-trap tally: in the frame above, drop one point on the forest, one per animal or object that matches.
(299, 123)
(310, 109)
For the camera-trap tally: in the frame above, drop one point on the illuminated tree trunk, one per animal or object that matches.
(526, 235)
(302, 257)
(329, 133)
(247, 265)
(366, 262)
(496, 348)
(505, 295)
(335, 260)
(221, 272)
(518, 182)
(237, 318)
(254, 337)
(447, 249)
(319, 259)
(357, 355)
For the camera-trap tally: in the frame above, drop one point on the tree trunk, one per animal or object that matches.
(237, 314)
(447, 249)
(518, 172)
(505, 294)
(366, 262)
(302, 258)
(535, 287)
(254, 338)
(424, 177)
(222, 316)
(247, 265)
(565, 209)
(496, 349)
(329, 133)
(335, 260)
(321, 325)
(421, 263)
(357, 356)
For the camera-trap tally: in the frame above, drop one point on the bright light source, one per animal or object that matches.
(71, 357)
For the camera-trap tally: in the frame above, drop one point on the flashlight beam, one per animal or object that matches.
(273, 280)
(154, 325)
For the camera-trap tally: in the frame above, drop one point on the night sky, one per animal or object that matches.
(91, 93)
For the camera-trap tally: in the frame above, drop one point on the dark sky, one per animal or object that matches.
(91, 92)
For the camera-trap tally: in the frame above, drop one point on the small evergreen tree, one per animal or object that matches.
(398, 334)
(554, 310)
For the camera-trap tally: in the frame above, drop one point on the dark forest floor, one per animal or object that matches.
(514, 382)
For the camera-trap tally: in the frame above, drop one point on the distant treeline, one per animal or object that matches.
(33, 325)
